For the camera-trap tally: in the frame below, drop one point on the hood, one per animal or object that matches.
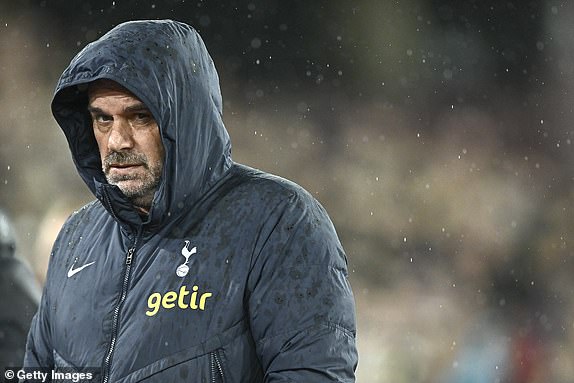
(166, 65)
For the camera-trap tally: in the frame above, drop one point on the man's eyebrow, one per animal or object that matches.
(139, 107)
(94, 110)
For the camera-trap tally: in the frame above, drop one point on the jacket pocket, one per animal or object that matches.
(217, 366)
(60, 362)
(206, 368)
(196, 369)
(202, 363)
(65, 372)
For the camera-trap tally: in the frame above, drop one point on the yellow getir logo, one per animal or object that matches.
(172, 299)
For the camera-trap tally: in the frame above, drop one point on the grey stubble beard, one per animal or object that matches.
(142, 194)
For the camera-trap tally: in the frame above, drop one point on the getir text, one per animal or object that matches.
(172, 299)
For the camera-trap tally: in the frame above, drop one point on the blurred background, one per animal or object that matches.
(437, 133)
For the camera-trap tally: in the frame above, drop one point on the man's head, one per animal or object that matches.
(128, 139)
(164, 65)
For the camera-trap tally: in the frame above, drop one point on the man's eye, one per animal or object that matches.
(142, 119)
(102, 119)
(143, 116)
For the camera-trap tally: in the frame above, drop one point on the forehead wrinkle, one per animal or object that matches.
(135, 106)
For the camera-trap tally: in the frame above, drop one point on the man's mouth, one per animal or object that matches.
(124, 165)
(124, 168)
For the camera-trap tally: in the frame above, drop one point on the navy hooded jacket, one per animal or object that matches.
(234, 276)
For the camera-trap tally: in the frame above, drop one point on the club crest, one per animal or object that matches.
(183, 269)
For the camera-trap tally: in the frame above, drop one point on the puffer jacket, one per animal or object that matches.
(234, 276)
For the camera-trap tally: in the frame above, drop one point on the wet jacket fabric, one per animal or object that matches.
(234, 276)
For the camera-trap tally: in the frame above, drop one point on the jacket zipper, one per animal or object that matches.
(216, 368)
(109, 203)
(108, 359)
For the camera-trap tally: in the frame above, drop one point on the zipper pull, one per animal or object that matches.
(130, 255)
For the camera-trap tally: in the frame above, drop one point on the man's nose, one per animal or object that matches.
(120, 137)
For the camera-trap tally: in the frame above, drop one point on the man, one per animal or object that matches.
(188, 266)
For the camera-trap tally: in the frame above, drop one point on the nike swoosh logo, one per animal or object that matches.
(73, 271)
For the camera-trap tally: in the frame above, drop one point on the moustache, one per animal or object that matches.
(124, 158)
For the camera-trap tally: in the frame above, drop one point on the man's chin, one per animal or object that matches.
(131, 190)
(136, 192)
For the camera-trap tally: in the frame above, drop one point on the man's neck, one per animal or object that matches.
(142, 204)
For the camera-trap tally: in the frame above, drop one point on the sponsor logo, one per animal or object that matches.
(73, 271)
(183, 299)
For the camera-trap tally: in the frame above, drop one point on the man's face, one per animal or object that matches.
(129, 141)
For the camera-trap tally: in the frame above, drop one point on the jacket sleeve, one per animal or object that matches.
(39, 350)
(38, 345)
(302, 312)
